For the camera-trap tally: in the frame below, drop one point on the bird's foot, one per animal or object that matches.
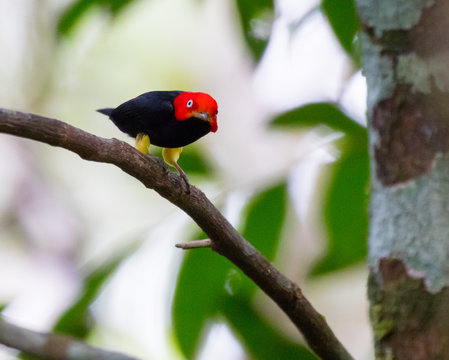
(171, 156)
(183, 177)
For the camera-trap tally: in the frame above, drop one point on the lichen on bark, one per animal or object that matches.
(408, 83)
(387, 15)
(424, 74)
(381, 86)
(410, 222)
(402, 330)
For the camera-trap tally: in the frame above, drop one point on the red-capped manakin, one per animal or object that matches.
(170, 119)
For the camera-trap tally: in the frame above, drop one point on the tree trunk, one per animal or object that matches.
(405, 47)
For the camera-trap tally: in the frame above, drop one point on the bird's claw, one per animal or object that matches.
(183, 177)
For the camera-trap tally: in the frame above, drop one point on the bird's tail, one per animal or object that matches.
(106, 111)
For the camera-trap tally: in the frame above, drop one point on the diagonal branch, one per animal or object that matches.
(152, 173)
(52, 346)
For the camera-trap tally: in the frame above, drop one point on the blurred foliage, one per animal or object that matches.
(77, 320)
(261, 340)
(77, 9)
(345, 206)
(206, 277)
(342, 16)
(24, 356)
(311, 115)
(3, 307)
(256, 17)
(265, 215)
(193, 162)
(264, 220)
(200, 285)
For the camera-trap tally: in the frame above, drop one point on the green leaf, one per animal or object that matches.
(311, 115)
(76, 321)
(193, 163)
(265, 215)
(256, 17)
(115, 6)
(342, 16)
(346, 202)
(204, 275)
(3, 307)
(264, 219)
(258, 337)
(73, 14)
(345, 209)
(200, 286)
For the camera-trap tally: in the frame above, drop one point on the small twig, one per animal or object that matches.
(52, 346)
(152, 172)
(196, 244)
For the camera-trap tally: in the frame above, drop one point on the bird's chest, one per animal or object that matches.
(173, 133)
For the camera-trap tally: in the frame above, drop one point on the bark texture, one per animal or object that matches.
(405, 45)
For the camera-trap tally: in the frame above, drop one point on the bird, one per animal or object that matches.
(168, 119)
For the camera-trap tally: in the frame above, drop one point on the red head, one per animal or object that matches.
(196, 104)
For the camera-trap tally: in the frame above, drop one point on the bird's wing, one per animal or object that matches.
(144, 112)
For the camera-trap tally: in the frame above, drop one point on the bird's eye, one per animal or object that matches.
(189, 103)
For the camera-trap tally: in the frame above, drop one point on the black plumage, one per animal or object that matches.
(153, 114)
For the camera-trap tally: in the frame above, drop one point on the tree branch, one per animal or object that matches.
(52, 346)
(151, 172)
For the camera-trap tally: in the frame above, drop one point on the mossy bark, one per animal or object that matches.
(405, 45)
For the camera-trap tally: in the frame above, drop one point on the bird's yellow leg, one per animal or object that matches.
(143, 143)
(171, 156)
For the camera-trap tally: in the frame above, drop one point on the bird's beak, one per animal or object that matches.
(201, 115)
(207, 117)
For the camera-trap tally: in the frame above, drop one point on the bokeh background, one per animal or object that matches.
(87, 250)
